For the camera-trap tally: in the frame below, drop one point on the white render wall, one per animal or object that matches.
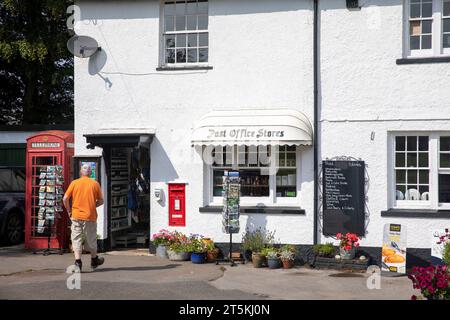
(260, 52)
(364, 91)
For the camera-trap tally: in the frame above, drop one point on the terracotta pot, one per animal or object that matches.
(212, 255)
(257, 260)
(287, 264)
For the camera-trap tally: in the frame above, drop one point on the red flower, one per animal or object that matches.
(413, 297)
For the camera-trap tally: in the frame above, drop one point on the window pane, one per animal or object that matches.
(444, 188)
(180, 8)
(446, 40)
(412, 177)
(446, 8)
(424, 193)
(423, 143)
(415, 10)
(170, 56)
(427, 10)
(400, 176)
(180, 23)
(192, 55)
(203, 55)
(181, 40)
(5, 180)
(414, 42)
(253, 184)
(400, 192)
(191, 7)
(411, 143)
(218, 183)
(202, 22)
(411, 160)
(423, 177)
(426, 42)
(169, 23)
(414, 28)
(290, 159)
(169, 8)
(400, 143)
(192, 40)
(444, 144)
(191, 22)
(445, 160)
(400, 160)
(181, 55)
(202, 39)
(412, 193)
(286, 183)
(426, 26)
(202, 6)
(446, 25)
(423, 159)
(170, 41)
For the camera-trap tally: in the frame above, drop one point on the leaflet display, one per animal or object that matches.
(231, 193)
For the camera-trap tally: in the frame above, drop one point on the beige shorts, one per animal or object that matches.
(84, 232)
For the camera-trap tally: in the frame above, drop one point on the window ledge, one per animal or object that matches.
(412, 60)
(416, 213)
(257, 210)
(183, 68)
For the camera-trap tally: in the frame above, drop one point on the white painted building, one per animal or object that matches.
(163, 79)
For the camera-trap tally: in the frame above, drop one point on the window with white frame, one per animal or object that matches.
(421, 170)
(427, 27)
(257, 183)
(185, 32)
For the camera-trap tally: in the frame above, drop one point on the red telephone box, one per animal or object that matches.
(48, 148)
(177, 204)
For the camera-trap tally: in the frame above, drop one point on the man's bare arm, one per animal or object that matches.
(99, 202)
(67, 205)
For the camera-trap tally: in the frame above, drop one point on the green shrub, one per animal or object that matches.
(256, 240)
(446, 254)
(269, 252)
(324, 250)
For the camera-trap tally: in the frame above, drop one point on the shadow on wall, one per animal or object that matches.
(96, 64)
(256, 221)
(164, 171)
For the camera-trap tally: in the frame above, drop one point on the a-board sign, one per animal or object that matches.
(393, 252)
(343, 200)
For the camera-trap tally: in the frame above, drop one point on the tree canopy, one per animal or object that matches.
(36, 69)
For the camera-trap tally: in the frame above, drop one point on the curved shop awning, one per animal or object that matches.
(253, 127)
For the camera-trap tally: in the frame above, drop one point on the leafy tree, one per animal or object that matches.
(36, 69)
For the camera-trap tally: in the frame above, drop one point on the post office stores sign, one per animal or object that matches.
(244, 134)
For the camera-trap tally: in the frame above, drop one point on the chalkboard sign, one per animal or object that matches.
(343, 197)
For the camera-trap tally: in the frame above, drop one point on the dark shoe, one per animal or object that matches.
(97, 261)
(79, 265)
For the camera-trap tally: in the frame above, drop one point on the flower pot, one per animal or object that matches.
(257, 260)
(273, 263)
(287, 264)
(248, 255)
(161, 251)
(347, 254)
(198, 257)
(211, 256)
(178, 256)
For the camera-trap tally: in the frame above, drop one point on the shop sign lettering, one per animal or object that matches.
(45, 144)
(245, 133)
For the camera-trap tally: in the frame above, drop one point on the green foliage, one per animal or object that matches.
(258, 239)
(324, 250)
(446, 254)
(269, 252)
(36, 69)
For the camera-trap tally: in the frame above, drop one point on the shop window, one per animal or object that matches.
(252, 163)
(185, 32)
(427, 27)
(422, 170)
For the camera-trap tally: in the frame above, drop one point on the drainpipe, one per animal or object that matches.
(316, 118)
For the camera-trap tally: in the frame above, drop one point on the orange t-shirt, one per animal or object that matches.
(84, 192)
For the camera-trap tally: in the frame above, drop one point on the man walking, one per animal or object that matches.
(86, 197)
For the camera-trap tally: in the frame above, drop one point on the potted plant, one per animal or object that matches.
(433, 282)
(271, 255)
(198, 248)
(179, 248)
(348, 244)
(162, 240)
(324, 250)
(212, 252)
(287, 256)
(253, 242)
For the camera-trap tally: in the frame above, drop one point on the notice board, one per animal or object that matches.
(343, 197)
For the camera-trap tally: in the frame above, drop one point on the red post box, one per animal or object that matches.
(177, 205)
(48, 148)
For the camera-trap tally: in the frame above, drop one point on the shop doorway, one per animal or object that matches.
(129, 197)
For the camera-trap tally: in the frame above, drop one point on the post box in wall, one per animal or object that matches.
(177, 205)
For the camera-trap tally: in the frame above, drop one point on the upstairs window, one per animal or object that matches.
(185, 32)
(427, 27)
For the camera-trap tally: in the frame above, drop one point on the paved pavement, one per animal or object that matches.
(136, 275)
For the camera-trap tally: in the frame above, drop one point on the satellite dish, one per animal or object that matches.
(82, 46)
